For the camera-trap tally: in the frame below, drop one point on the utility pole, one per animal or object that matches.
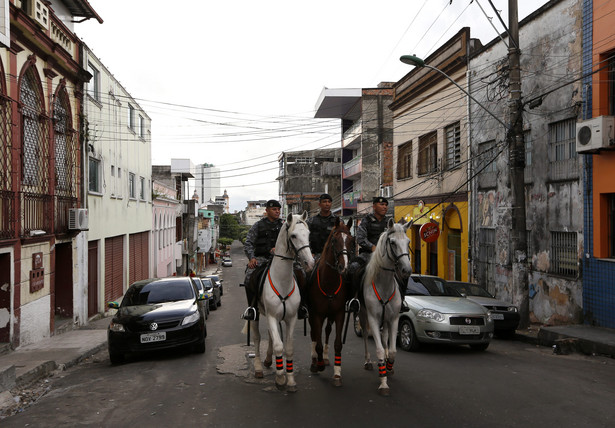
(516, 150)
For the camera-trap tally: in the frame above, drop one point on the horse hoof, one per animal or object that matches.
(258, 374)
(267, 363)
(291, 388)
(337, 381)
(368, 366)
(280, 387)
(314, 368)
(384, 392)
(321, 367)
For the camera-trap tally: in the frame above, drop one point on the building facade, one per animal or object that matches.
(431, 156)
(166, 209)
(550, 43)
(305, 175)
(41, 96)
(599, 184)
(119, 185)
(207, 182)
(366, 143)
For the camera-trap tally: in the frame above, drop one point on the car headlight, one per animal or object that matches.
(116, 327)
(193, 317)
(430, 314)
(489, 319)
(513, 309)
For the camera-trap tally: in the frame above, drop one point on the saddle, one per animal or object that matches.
(259, 277)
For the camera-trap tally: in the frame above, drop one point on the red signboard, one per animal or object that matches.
(429, 232)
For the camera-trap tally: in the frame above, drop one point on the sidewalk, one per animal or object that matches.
(32, 362)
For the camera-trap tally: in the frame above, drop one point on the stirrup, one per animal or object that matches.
(353, 305)
(302, 312)
(249, 314)
(404, 307)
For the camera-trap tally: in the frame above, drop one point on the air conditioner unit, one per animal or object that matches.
(595, 134)
(78, 219)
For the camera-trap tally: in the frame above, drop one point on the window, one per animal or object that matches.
(131, 117)
(94, 83)
(404, 161)
(428, 153)
(132, 191)
(452, 134)
(94, 176)
(141, 129)
(34, 144)
(119, 187)
(564, 254)
(562, 148)
(487, 157)
(142, 188)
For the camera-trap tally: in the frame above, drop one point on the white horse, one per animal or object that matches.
(280, 299)
(382, 298)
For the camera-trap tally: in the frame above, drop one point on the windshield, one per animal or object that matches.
(424, 286)
(158, 292)
(199, 284)
(207, 283)
(473, 290)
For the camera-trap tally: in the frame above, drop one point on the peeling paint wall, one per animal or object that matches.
(550, 44)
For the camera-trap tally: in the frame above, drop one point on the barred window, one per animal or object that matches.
(64, 146)
(34, 146)
(562, 148)
(564, 258)
(452, 134)
(404, 161)
(428, 153)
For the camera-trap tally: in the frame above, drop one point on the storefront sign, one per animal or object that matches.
(429, 232)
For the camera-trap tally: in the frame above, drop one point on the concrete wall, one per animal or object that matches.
(550, 42)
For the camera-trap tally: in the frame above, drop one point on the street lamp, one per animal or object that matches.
(418, 62)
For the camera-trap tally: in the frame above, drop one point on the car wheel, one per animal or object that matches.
(221, 291)
(199, 348)
(407, 336)
(479, 346)
(116, 357)
(219, 301)
(357, 327)
(215, 305)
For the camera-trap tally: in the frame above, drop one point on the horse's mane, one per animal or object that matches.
(378, 259)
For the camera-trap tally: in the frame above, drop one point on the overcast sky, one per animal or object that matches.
(235, 82)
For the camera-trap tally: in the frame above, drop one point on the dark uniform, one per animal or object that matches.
(320, 228)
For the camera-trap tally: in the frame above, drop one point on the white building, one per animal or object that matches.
(206, 182)
(254, 211)
(119, 199)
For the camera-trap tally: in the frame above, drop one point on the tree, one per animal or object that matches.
(229, 227)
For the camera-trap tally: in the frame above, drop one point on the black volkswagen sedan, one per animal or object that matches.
(157, 314)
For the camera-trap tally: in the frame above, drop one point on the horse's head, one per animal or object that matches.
(299, 239)
(397, 247)
(342, 244)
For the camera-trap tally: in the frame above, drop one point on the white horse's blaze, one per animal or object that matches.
(280, 299)
(382, 297)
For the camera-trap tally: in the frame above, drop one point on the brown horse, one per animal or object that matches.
(327, 294)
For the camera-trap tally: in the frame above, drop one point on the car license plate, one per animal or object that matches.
(469, 329)
(154, 337)
(497, 316)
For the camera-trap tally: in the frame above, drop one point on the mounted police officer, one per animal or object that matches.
(321, 225)
(368, 234)
(259, 249)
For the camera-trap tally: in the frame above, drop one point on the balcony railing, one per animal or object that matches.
(351, 199)
(7, 221)
(352, 134)
(353, 167)
(63, 204)
(36, 213)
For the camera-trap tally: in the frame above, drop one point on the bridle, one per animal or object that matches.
(390, 249)
(290, 244)
(336, 253)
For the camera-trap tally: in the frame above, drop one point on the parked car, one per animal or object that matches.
(208, 294)
(505, 316)
(157, 314)
(218, 282)
(227, 262)
(215, 301)
(440, 314)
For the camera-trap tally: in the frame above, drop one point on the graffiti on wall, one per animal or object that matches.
(486, 208)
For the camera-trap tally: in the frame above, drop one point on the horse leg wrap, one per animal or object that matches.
(289, 366)
(382, 372)
(279, 363)
(389, 365)
(338, 360)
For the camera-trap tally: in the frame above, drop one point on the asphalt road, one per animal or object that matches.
(511, 384)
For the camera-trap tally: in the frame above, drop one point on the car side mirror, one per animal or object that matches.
(113, 305)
